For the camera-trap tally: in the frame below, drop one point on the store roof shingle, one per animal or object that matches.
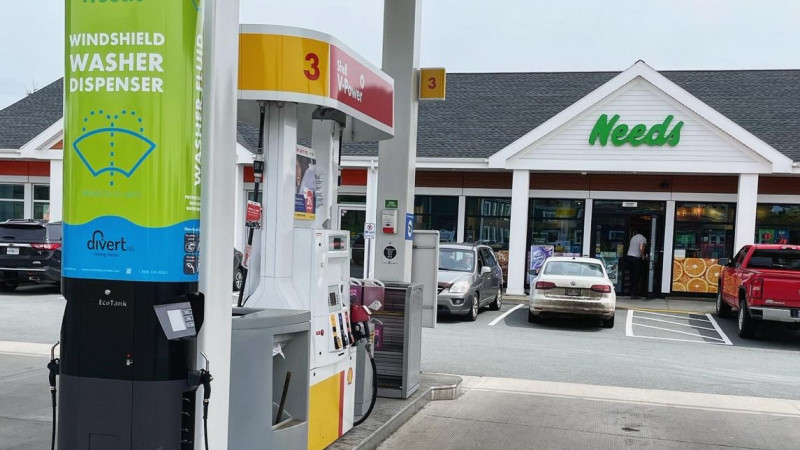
(27, 118)
(484, 112)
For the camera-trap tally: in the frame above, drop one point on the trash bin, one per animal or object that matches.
(266, 344)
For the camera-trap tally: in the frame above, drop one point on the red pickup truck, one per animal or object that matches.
(762, 283)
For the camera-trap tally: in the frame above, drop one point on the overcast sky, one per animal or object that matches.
(480, 36)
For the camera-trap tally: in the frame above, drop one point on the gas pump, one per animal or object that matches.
(315, 89)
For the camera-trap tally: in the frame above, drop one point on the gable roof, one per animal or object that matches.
(485, 112)
(679, 98)
(27, 118)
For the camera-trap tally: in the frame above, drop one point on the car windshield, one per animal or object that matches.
(783, 259)
(456, 260)
(22, 233)
(574, 269)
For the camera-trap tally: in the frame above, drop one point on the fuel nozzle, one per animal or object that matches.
(54, 366)
(202, 377)
(359, 315)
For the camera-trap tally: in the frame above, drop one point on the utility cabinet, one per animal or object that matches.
(397, 357)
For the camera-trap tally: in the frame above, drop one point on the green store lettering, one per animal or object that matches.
(636, 135)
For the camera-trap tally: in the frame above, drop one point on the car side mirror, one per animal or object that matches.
(533, 272)
(724, 261)
(486, 269)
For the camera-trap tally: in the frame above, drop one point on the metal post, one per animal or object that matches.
(220, 65)
(397, 156)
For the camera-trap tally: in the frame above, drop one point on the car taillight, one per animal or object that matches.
(756, 290)
(602, 288)
(544, 285)
(46, 246)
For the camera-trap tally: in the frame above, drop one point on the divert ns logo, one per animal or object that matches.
(99, 242)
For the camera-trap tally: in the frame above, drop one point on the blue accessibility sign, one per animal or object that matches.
(409, 226)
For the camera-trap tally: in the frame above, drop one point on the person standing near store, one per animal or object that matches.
(635, 260)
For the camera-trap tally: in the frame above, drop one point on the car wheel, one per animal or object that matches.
(608, 323)
(476, 305)
(8, 286)
(723, 309)
(532, 318)
(238, 279)
(747, 326)
(498, 300)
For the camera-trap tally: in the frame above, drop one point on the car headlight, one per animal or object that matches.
(459, 287)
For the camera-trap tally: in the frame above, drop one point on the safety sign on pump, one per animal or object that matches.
(132, 135)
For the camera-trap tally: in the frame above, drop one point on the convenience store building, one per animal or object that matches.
(700, 162)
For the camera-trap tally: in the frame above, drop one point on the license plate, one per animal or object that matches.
(573, 291)
(12, 251)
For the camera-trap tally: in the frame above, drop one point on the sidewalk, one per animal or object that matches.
(509, 414)
(390, 414)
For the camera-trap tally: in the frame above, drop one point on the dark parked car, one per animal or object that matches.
(30, 251)
(238, 273)
(469, 278)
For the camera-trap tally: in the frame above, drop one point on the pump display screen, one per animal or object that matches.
(337, 243)
(332, 299)
(176, 320)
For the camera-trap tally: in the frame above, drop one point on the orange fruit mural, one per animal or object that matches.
(697, 275)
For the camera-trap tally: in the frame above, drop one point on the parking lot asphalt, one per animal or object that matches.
(529, 378)
(504, 344)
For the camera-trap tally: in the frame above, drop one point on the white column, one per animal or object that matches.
(239, 238)
(397, 156)
(325, 143)
(27, 197)
(371, 208)
(280, 156)
(220, 64)
(56, 189)
(588, 211)
(519, 233)
(746, 210)
(462, 217)
(669, 240)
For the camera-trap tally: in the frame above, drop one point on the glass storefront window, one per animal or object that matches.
(12, 201)
(777, 224)
(41, 201)
(558, 223)
(437, 213)
(704, 233)
(488, 221)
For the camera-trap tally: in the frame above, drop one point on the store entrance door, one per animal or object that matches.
(614, 223)
(352, 219)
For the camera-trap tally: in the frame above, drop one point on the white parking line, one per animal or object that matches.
(629, 329)
(668, 315)
(679, 332)
(26, 348)
(719, 330)
(679, 340)
(676, 323)
(494, 322)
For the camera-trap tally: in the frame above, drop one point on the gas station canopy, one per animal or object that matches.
(313, 69)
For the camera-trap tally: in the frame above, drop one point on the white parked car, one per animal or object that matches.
(572, 286)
